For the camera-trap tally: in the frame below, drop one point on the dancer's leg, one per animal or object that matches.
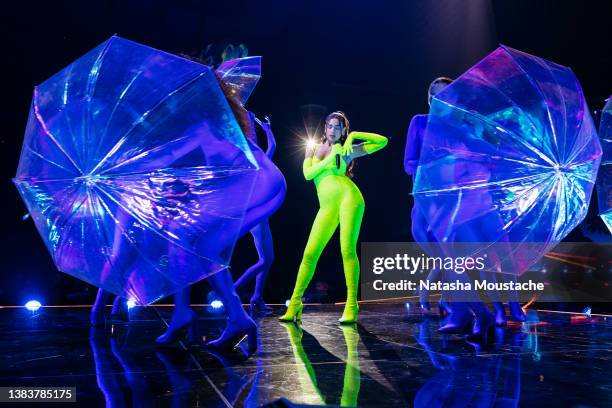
(257, 223)
(122, 255)
(262, 238)
(424, 293)
(422, 235)
(265, 249)
(351, 215)
(460, 319)
(494, 296)
(182, 318)
(500, 314)
(484, 321)
(323, 228)
(96, 316)
(239, 324)
(120, 309)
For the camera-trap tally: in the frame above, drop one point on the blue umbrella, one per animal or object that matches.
(604, 181)
(509, 157)
(135, 170)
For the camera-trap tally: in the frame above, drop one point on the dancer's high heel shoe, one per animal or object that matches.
(234, 334)
(259, 306)
(484, 327)
(517, 311)
(186, 326)
(460, 320)
(444, 308)
(349, 316)
(294, 312)
(500, 314)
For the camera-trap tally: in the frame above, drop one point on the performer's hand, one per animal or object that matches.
(310, 149)
(265, 124)
(347, 149)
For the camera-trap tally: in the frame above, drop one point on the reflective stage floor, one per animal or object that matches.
(391, 358)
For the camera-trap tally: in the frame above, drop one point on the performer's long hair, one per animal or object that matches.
(343, 119)
(239, 111)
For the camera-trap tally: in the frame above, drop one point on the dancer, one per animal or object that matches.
(420, 229)
(330, 165)
(460, 318)
(262, 235)
(264, 201)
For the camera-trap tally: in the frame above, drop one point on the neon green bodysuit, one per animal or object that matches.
(340, 203)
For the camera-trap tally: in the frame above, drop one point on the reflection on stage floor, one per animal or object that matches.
(391, 358)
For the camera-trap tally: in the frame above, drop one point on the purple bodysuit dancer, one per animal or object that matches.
(420, 228)
(261, 233)
(265, 199)
(460, 318)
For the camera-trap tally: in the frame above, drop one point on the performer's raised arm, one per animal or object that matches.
(371, 142)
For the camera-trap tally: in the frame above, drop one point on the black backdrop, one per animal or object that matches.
(373, 60)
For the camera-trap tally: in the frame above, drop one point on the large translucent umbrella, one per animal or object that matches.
(135, 170)
(604, 181)
(510, 155)
(241, 74)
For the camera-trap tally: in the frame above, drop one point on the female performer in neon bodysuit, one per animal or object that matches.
(329, 164)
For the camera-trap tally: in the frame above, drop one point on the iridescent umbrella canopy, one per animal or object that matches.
(241, 74)
(510, 155)
(604, 181)
(135, 170)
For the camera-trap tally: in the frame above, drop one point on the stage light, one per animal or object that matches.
(287, 302)
(214, 303)
(311, 143)
(131, 303)
(587, 311)
(33, 305)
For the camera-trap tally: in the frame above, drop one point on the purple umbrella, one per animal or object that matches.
(135, 170)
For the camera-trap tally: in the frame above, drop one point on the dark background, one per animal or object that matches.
(373, 60)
